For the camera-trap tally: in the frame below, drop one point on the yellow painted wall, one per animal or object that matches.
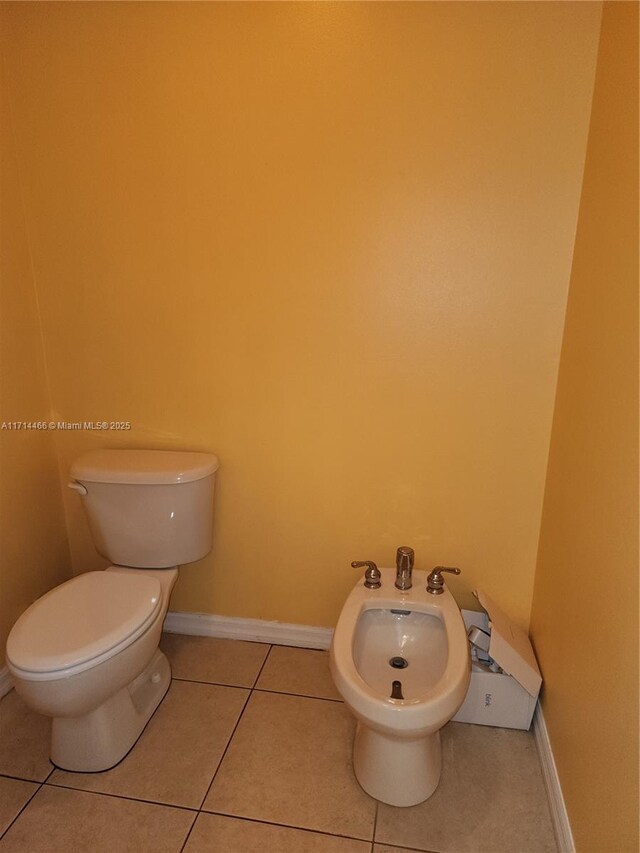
(330, 242)
(34, 555)
(585, 609)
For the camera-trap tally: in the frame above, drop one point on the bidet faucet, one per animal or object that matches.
(371, 576)
(435, 581)
(404, 567)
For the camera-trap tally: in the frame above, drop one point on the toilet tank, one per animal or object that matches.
(148, 508)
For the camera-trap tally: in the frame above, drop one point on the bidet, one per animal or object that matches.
(400, 660)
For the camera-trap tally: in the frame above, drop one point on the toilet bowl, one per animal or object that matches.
(418, 640)
(86, 653)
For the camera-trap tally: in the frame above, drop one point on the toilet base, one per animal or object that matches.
(397, 771)
(100, 739)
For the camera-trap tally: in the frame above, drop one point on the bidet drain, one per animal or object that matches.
(398, 663)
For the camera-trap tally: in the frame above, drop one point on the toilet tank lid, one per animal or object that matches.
(148, 467)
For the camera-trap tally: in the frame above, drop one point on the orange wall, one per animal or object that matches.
(585, 609)
(330, 242)
(34, 555)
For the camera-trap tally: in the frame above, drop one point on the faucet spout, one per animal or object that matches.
(404, 567)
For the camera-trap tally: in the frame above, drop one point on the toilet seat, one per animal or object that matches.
(81, 623)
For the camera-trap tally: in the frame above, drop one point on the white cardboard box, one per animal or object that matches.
(505, 699)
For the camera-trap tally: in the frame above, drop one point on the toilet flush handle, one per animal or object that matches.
(77, 487)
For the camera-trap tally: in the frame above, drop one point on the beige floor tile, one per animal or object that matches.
(290, 762)
(58, 820)
(218, 834)
(301, 671)
(491, 797)
(232, 662)
(177, 754)
(25, 739)
(381, 848)
(14, 794)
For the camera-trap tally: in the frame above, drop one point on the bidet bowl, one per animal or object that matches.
(376, 625)
(397, 757)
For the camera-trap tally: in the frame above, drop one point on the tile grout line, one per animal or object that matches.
(251, 689)
(121, 797)
(290, 826)
(298, 695)
(206, 794)
(186, 839)
(259, 689)
(407, 849)
(228, 744)
(264, 663)
(188, 835)
(198, 810)
(25, 778)
(40, 786)
(375, 823)
(49, 779)
(258, 820)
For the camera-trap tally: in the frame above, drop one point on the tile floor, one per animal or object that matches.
(251, 751)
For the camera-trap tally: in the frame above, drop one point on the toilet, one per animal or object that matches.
(400, 660)
(86, 653)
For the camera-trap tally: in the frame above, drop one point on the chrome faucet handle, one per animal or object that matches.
(372, 574)
(435, 581)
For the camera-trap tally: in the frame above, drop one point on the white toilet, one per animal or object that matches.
(412, 644)
(86, 653)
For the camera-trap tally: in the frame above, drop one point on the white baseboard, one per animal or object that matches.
(559, 816)
(6, 682)
(233, 628)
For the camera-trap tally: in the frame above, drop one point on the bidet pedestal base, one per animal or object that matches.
(102, 738)
(397, 771)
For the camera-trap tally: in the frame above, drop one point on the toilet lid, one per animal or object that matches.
(82, 619)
